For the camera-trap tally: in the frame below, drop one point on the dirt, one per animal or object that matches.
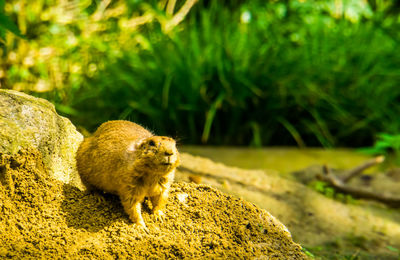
(42, 217)
(328, 227)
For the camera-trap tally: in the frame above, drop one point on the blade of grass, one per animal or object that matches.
(210, 117)
(292, 130)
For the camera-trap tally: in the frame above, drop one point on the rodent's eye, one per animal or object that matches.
(152, 143)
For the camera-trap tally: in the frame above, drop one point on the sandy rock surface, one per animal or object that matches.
(43, 217)
(29, 122)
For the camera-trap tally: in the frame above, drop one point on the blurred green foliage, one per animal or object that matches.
(328, 191)
(387, 145)
(6, 24)
(306, 73)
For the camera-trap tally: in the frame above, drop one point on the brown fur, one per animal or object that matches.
(125, 159)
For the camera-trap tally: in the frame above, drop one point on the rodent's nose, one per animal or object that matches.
(167, 153)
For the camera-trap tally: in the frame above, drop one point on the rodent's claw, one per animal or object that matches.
(160, 216)
(142, 226)
(100, 199)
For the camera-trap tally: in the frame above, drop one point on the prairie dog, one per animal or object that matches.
(125, 159)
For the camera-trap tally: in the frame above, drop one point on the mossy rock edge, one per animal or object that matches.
(27, 122)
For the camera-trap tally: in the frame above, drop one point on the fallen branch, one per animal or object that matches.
(359, 169)
(340, 185)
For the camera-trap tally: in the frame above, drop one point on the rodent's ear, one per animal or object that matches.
(135, 145)
(131, 147)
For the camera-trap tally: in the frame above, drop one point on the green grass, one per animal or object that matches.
(291, 75)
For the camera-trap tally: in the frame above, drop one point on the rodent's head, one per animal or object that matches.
(158, 152)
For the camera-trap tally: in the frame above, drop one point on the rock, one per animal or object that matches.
(29, 123)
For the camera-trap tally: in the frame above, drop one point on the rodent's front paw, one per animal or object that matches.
(160, 216)
(142, 226)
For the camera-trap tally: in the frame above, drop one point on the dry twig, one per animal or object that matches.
(339, 184)
(359, 169)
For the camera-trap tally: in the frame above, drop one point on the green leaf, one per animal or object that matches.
(308, 253)
(66, 110)
(393, 249)
(7, 24)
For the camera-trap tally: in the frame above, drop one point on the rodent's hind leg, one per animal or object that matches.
(158, 203)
